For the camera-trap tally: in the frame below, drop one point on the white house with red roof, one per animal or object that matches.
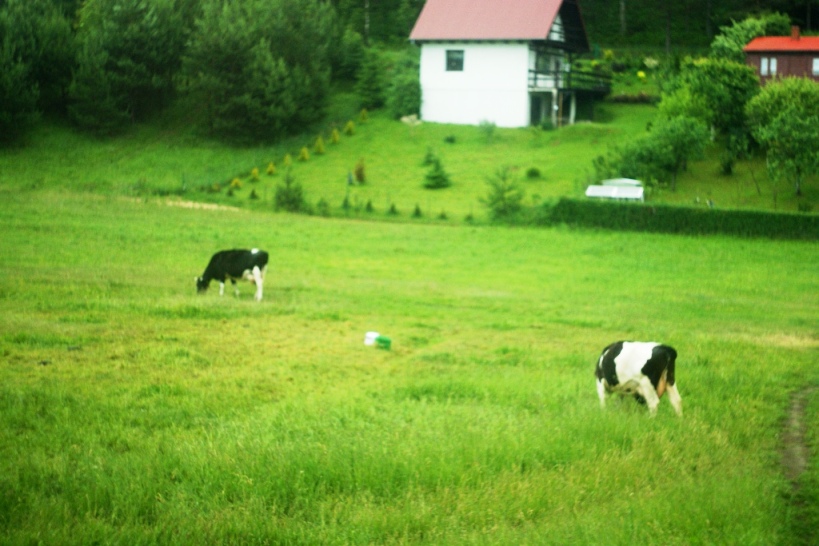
(784, 56)
(506, 62)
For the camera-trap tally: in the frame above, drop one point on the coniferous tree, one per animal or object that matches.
(437, 178)
(95, 106)
(132, 49)
(260, 69)
(371, 84)
(404, 93)
(36, 59)
(18, 95)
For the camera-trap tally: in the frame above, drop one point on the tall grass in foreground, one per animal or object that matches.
(134, 411)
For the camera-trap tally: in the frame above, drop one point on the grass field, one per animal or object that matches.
(134, 411)
(169, 158)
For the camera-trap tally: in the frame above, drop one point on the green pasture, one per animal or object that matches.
(134, 411)
(168, 158)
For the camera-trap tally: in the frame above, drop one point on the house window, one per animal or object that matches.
(767, 66)
(816, 66)
(455, 60)
(556, 33)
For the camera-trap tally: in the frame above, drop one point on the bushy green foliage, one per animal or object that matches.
(683, 101)
(260, 69)
(18, 95)
(371, 84)
(717, 90)
(665, 150)
(532, 173)
(347, 57)
(404, 93)
(37, 55)
(130, 52)
(681, 220)
(729, 43)
(43, 38)
(784, 119)
(95, 104)
(505, 196)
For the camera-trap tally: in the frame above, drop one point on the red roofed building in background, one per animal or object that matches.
(506, 62)
(784, 56)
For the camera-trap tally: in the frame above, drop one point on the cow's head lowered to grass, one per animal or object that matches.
(644, 369)
(233, 265)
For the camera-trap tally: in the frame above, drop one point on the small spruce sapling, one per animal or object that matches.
(318, 147)
(290, 195)
(505, 197)
(323, 208)
(359, 172)
(437, 178)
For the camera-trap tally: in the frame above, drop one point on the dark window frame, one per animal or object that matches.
(455, 60)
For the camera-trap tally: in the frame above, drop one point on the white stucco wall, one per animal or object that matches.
(493, 85)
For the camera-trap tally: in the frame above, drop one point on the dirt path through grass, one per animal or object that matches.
(795, 453)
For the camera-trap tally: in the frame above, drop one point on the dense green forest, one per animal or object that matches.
(258, 70)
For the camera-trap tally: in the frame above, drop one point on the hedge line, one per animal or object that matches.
(675, 219)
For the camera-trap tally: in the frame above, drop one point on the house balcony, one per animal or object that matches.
(575, 80)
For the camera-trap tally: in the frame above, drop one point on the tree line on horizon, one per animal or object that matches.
(256, 69)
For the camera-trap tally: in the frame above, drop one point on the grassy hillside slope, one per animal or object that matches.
(134, 411)
(168, 158)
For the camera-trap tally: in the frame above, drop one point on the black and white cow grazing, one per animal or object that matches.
(643, 369)
(233, 265)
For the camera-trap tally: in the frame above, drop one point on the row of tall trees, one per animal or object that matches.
(253, 70)
(691, 23)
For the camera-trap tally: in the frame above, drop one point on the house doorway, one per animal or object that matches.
(541, 109)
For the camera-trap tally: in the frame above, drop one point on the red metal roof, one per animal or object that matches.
(485, 20)
(766, 44)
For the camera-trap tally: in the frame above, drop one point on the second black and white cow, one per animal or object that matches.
(234, 265)
(644, 369)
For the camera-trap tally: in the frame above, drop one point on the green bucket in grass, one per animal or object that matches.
(383, 342)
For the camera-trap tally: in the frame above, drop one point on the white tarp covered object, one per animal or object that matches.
(616, 192)
(622, 182)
